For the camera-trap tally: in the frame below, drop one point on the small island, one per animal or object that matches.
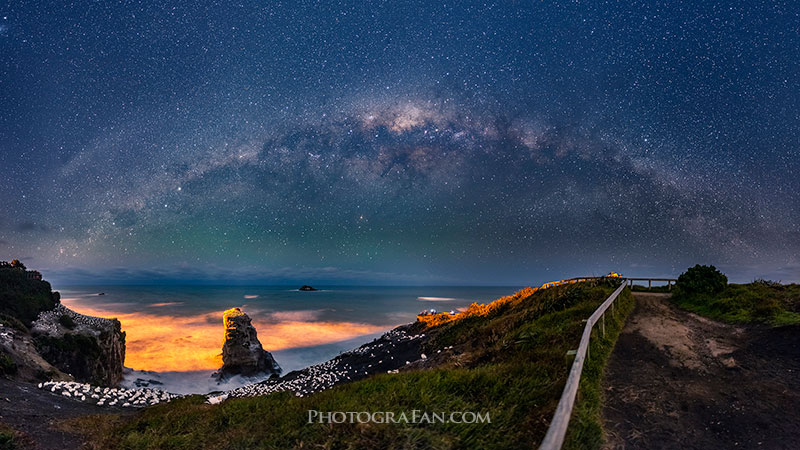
(306, 287)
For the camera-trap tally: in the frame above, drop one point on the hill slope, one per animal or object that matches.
(507, 361)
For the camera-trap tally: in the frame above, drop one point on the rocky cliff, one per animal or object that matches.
(242, 353)
(19, 358)
(90, 349)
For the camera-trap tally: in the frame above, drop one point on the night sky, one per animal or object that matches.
(398, 142)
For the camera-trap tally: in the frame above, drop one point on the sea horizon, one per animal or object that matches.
(177, 329)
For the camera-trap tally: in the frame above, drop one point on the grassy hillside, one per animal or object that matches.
(761, 301)
(24, 299)
(511, 364)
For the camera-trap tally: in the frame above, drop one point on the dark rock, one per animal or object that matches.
(242, 353)
(91, 349)
(306, 287)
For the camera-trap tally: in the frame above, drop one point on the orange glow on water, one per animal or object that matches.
(163, 342)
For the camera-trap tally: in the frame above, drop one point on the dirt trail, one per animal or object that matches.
(677, 380)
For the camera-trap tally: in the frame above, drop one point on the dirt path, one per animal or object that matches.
(677, 380)
(34, 412)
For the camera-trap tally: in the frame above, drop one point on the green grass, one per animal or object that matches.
(660, 289)
(586, 426)
(512, 366)
(8, 438)
(758, 302)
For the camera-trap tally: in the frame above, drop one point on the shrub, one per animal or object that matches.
(767, 283)
(759, 301)
(66, 321)
(13, 322)
(46, 375)
(766, 309)
(8, 438)
(702, 280)
(7, 365)
(7, 441)
(69, 343)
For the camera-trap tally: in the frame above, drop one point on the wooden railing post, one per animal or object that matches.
(557, 430)
(603, 323)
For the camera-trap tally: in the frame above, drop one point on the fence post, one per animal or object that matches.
(603, 323)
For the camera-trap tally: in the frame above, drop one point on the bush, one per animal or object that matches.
(8, 438)
(767, 283)
(69, 343)
(7, 365)
(66, 321)
(766, 309)
(702, 280)
(759, 301)
(46, 375)
(13, 322)
(7, 441)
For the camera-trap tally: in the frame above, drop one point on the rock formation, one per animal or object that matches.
(242, 353)
(19, 358)
(306, 287)
(91, 349)
(41, 339)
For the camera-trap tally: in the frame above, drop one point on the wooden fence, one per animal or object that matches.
(554, 438)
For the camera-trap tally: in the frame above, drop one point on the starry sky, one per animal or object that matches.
(502, 143)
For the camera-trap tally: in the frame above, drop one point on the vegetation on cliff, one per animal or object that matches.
(7, 365)
(705, 291)
(72, 353)
(24, 298)
(510, 363)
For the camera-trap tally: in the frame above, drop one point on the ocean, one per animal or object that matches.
(174, 334)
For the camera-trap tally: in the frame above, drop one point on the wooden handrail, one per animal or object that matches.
(554, 438)
(651, 279)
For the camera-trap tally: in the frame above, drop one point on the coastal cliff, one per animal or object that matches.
(41, 339)
(91, 349)
(242, 353)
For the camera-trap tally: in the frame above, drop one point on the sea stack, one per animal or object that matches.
(242, 353)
